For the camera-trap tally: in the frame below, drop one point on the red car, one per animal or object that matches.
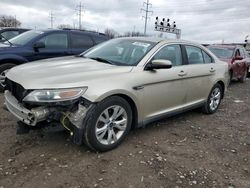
(237, 59)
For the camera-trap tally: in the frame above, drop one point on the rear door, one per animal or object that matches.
(80, 42)
(199, 74)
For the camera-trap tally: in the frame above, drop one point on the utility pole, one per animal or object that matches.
(147, 4)
(51, 16)
(79, 10)
(15, 23)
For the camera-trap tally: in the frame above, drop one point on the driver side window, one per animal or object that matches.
(57, 40)
(171, 53)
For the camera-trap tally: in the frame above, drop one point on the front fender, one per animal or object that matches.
(14, 57)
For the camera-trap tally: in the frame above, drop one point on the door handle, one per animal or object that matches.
(212, 70)
(182, 73)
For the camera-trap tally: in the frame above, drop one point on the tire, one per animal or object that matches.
(244, 77)
(230, 76)
(212, 104)
(101, 129)
(3, 68)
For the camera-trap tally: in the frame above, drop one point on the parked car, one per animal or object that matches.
(10, 32)
(113, 87)
(35, 45)
(237, 59)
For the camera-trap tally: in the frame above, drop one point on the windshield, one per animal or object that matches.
(222, 52)
(126, 52)
(24, 38)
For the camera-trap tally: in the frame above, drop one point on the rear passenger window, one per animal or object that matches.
(207, 58)
(81, 41)
(194, 55)
(171, 53)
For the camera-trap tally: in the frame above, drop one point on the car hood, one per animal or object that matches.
(64, 72)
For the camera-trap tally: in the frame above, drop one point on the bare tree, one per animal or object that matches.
(9, 21)
(110, 33)
(63, 26)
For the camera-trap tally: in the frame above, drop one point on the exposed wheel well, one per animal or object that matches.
(133, 108)
(223, 87)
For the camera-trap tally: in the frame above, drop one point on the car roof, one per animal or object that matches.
(12, 28)
(223, 46)
(157, 40)
(75, 31)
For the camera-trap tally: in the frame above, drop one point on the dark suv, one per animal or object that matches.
(236, 57)
(35, 45)
(10, 32)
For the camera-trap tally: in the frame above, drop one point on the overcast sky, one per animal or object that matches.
(200, 20)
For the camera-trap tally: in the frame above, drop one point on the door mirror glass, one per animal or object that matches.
(159, 64)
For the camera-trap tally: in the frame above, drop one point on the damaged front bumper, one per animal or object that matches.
(70, 118)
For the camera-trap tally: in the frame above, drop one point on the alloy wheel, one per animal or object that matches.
(111, 125)
(215, 99)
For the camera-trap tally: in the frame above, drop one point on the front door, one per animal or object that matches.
(56, 45)
(164, 89)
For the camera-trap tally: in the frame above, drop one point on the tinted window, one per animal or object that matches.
(57, 40)
(98, 39)
(207, 58)
(194, 55)
(171, 53)
(81, 41)
(237, 53)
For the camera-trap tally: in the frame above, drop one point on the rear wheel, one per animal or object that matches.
(107, 124)
(3, 70)
(244, 77)
(213, 100)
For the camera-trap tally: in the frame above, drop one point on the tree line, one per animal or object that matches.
(9, 21)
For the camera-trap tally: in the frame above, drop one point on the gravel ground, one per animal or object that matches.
(188, 150)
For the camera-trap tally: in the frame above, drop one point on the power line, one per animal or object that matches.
(146, 17)
(52, 17)
(79, 9)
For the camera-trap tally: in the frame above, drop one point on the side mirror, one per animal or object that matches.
(238, 58)
(159, 64)
(38, 45)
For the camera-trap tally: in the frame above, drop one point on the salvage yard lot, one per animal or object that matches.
(191, 149)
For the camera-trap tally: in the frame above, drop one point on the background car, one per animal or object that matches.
(10, 32)
(237, 59)
(35, 45)
(122, 83)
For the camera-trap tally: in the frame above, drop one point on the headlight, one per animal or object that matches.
(55, 95)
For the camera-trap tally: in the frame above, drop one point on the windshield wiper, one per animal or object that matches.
(6, 40)
(102, 60)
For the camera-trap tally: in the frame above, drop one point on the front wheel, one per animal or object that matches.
(3, 70)
(213, 100)
(107, 124)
